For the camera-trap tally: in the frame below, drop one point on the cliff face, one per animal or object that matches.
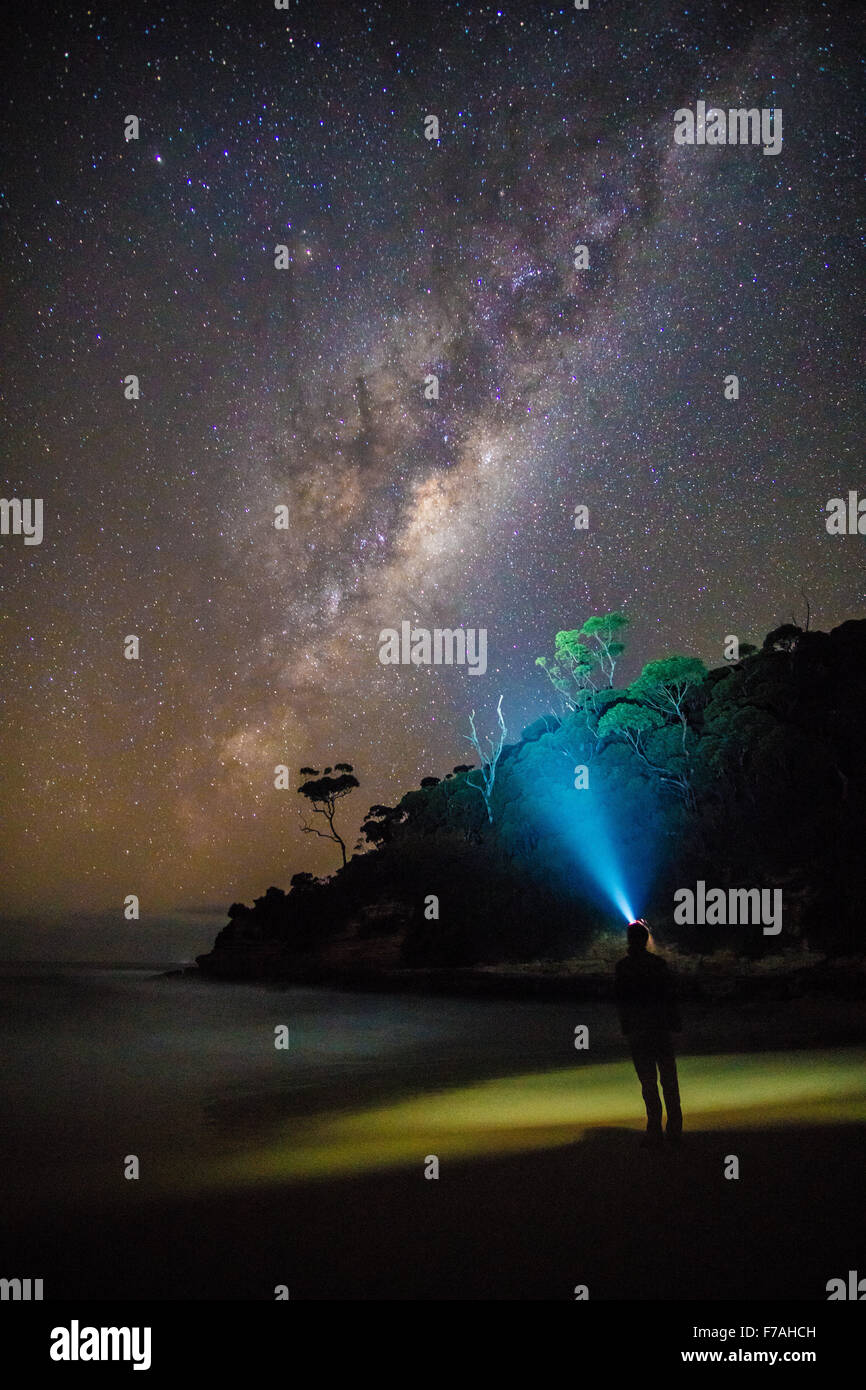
(242, 960)
(280, 938)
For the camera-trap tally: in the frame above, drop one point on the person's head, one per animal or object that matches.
(638, 936)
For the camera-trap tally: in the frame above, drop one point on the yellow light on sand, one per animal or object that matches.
(554, 1108)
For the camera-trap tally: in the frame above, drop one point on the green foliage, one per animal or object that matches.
(585, 658)
(664, 683)
(630, 720)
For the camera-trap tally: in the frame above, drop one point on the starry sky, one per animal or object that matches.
(304, 387)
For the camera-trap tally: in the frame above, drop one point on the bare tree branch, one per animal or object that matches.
(489, 760)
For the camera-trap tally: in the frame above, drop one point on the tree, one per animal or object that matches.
(783, 639)
(324, 792)
(664, 685)
(633, 723)
(379, 823)
(489, 760)
(570, 671)
(581, 655)
(602, 631)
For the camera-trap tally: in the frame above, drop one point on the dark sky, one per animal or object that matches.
(304, 387)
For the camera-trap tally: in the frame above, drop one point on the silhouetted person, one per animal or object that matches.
(646, 999)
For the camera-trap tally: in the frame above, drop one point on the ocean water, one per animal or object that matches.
(101, 1063)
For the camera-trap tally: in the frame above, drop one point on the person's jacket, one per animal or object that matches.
(645, 993)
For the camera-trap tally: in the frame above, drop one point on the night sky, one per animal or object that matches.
(305, 387)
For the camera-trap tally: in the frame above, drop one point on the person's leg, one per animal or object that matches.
(667, 1064)
(643, 1056)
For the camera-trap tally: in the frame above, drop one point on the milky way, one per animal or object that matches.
(305, 387)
